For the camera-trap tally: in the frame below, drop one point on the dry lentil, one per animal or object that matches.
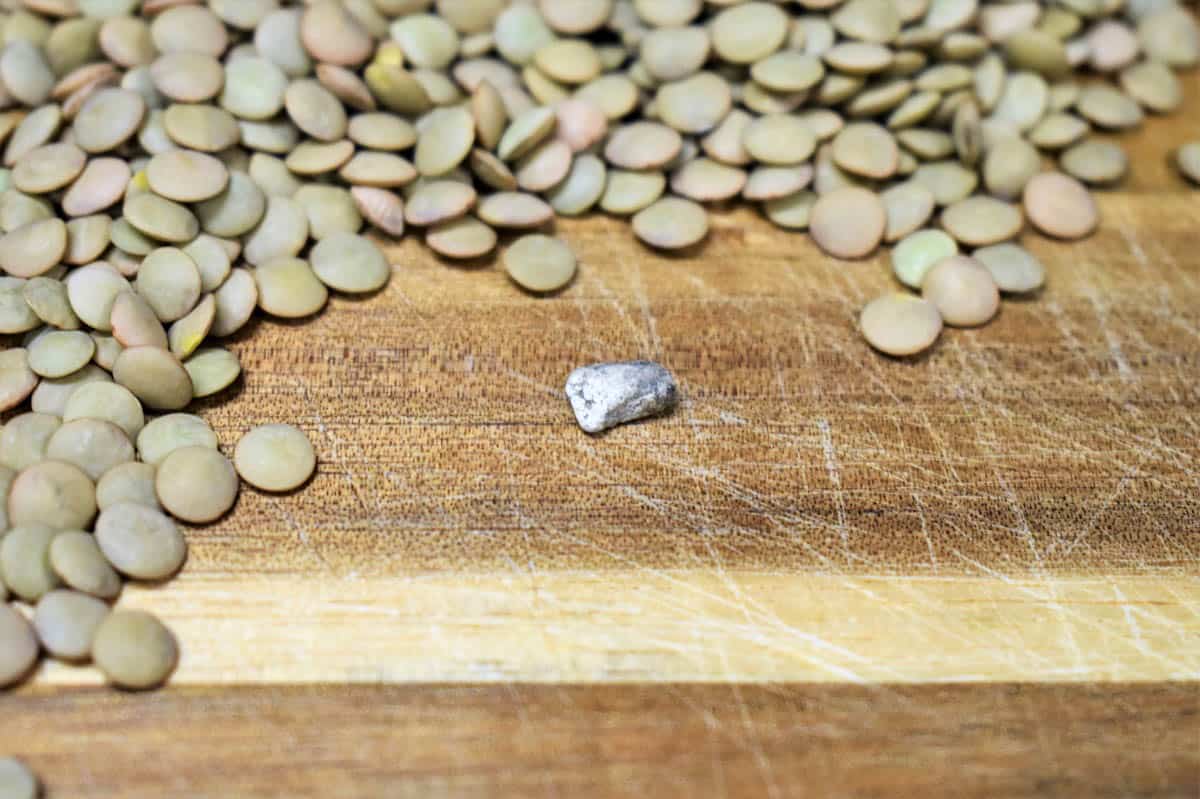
(94, 445)
(18, 654)
(134, 650)
(963, 291)
(276, 457)
(1015, 269)
(66, 621)
(848, 222)
(25, 560)
(900, 324)
(1060, 206)
(196, 484)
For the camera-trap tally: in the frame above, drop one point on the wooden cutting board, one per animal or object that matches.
(977, 571)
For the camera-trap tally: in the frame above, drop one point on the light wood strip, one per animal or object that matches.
(621, 627)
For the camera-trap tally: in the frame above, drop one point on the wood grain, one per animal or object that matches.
(1017, 508)
(455, 492)
(433, 741)
(658, 626)
(1059, 439)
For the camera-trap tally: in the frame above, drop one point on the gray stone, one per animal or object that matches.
(605, 395)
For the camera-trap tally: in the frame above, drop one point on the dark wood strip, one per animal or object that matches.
(1058, 439)
(986, 740)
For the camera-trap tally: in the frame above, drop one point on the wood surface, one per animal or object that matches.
(827, 573)
(590, 742)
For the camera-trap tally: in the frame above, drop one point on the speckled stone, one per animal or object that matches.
(605, 395)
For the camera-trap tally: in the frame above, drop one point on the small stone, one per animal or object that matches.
(605, 395)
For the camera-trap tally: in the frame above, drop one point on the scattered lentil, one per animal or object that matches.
(462, 238)
(24, 439)
(196, 484)
(900, 324)
(58, 353)
(848, 222)
(66, 623)
(915, 254)
(288, 288)
(77, 560)
(155, 376)
(162, 436)
(51, 395)
(108, 401)
(1095, 162)
(963, 291)
(671, 223)
(134, 649)
(980, 220)
(140, 541)
(1060, 206)
(1015, 269)
(18, 654)
(439, 201)
(127, 482)
(94, 445)
(792, 211)
(16, 780)
(908, 205)
(212, 370)
(1188, 160)
(540, 263)
(275, 457)
(51, 493)
(627, 192)
(25, 561)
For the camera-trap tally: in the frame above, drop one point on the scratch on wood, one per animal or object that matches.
(1110, 336)
(835, 477)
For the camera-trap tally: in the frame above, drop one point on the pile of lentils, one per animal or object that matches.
(170, 166)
